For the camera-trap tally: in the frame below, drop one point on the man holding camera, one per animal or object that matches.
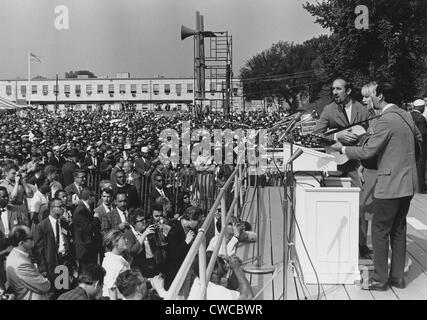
(142, 247)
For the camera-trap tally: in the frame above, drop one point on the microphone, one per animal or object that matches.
(291, 125)
(296, 154)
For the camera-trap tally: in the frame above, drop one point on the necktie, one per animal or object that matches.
(345, 114)
(57, 232)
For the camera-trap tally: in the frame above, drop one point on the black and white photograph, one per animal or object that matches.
(213, 150)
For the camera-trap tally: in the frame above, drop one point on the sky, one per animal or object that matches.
(139, 36)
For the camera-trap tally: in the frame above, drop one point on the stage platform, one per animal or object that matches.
(271, 253)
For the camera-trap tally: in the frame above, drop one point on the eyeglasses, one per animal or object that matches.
(29, 238)
(140, 220)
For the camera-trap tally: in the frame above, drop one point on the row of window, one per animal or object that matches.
(111, 89)
(100, 89)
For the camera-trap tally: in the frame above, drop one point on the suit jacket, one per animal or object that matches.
(333, 117)
(89, 162)
(421, 124)
(15, 217)
(177, 250)
(25, 280)
(142, 166)
(113, 174)
(110, 221)
(393, 141)
(86, 228)
(46, 249)
(67, 173)
(132, 194)
(136, 181)
(57, 162)
(71, 190)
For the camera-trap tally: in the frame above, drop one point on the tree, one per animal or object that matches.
(283, 71)
(392, 49)
(74, 74)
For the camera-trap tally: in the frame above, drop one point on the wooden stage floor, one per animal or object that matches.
(271, 253)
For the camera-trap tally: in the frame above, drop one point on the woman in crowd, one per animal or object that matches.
(115, 245)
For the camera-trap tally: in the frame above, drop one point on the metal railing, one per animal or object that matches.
(199, 244)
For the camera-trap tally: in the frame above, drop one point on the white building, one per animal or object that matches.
(113, 93)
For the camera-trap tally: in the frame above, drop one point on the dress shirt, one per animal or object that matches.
(107, 209)
(122, 214)
(5, 221)
(162, 193)
(61, 247)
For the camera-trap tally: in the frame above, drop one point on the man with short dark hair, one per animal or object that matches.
(52, 242)
(116, 218)
(74, 190)
(214, 290)
(86, 228)
(132, 285)
(10, 215)
(121, 186)
(90, 284)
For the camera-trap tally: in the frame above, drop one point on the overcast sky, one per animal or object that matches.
(139, 36)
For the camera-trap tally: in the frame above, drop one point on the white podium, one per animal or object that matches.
(328, 218)
(310, 160)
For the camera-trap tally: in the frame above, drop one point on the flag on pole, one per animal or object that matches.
(35, 57)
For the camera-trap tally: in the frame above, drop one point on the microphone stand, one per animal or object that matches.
(288, 216)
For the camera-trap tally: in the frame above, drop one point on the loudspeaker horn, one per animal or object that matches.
(186, 32)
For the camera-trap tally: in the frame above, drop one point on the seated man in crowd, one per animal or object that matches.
(90, 284)
(24, 278)
(132, 286)
(214, 290)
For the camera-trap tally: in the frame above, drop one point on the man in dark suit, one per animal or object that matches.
(340, 114)
(123, 187)
(393, 140)
(158, 190)
(69, 167)
(10, 215)
(117, 166)
(74, 189)
(132, 177)
(57, 160)
(86, 228)
(92, 162)
(421, 123)
(52, 242)
(117, 218)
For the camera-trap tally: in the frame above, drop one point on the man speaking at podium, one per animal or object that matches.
(394, 139)
(340, 114)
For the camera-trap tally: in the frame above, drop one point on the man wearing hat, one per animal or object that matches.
(421, 123)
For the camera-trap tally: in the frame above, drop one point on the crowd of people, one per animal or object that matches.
(88, 191)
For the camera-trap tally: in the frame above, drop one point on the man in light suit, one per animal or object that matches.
(118, 217)
(393, 140)
(25, 280)
(100, 213)
(74, 189)
(342, 113)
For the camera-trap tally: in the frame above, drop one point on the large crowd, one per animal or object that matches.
(88, 192)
